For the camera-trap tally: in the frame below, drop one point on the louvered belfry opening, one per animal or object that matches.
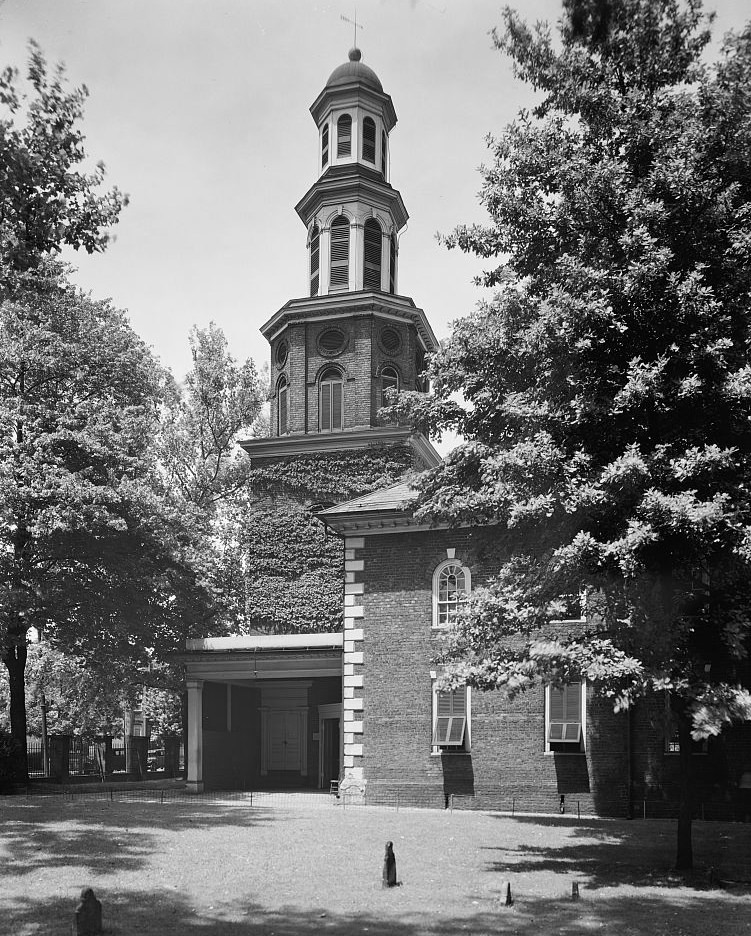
(315, 260)
(389, 381)
(339, 278)
(331, 402)
(369, 140)
(372, 259)
(392, 264)
(282, 406)
(325, 145)
(344, 136)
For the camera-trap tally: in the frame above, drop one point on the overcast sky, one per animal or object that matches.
(200, 112)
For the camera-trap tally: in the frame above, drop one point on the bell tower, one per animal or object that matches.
(337, 351)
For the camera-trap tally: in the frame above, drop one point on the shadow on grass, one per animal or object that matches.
(100, 836)
(631, 852)
(169, 915)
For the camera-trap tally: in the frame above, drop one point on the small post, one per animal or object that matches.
(578, 810)
(88, 916)
(575, 890)
(644, 809)
(508, 900)
(397, 801)
(562, 806)
(451, 804)
(389, 866)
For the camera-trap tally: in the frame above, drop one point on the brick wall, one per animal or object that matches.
(507, 764)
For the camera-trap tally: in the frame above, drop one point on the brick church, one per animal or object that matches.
(360, 706)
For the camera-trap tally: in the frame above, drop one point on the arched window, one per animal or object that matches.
(369, 140)
(389, 381)
(282, 406)
(339, 278)
(372, 258)
(344, 136)
(315, 260)
(392, 263)
(325, 145)
(383, 153)
(330, 408)
(451, 585)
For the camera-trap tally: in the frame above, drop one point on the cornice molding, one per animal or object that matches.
(348, 304)
(347, 440)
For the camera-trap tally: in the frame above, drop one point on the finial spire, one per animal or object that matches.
(354, 24)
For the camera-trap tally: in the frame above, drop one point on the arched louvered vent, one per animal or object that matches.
(344, 136)
(372, 264)
(315, 260)
(331, 341)
(389, 381)
(392, 264)
(331, 404)
(282, 351)
(369, 140)
(339, 278)
(282, 406)
(383, 153)
(325, 145)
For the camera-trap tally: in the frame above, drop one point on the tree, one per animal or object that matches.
(605, 391)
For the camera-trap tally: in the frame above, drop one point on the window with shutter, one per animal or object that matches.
(372, 258)
(339, 277)
(315, 260)
(369, 140)
(450, 720)
(565, 718)
(331, 402)
(325, 145)
(344, 136)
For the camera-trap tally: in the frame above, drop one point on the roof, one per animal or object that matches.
(354, 70)
(268, 642)
(395, 497)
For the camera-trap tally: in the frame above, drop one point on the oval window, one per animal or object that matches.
(282, 352)
(390, 340)
(331, 341)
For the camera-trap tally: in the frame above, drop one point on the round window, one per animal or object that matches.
(282, 352)
(331, 342)
(390, 340)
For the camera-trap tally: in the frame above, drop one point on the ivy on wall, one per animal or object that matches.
(286, 572)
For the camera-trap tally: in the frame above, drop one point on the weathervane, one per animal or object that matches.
(352, 23)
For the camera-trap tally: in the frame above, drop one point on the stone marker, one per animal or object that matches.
(575, 891)
(508, 900)
(88, 919)
(389, 866)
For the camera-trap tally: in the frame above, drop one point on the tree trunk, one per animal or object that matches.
(15, 662)
(684, 856)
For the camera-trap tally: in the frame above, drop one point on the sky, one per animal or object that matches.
(200, 111)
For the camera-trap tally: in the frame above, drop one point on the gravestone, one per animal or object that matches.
(88, 918)
(389, 866)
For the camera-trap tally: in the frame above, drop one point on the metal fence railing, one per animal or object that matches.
(83, 760)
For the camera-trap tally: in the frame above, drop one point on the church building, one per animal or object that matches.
(361, 707)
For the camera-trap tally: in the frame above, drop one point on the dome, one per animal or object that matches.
(354, 70)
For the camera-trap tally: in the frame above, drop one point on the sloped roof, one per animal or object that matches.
(396, 497)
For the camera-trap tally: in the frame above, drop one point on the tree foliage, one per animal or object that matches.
(606, 387)
(95, 554)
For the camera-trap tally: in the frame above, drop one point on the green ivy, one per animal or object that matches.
(286, 572)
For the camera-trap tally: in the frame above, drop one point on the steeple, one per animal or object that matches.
(336, 352)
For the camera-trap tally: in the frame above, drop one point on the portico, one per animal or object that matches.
(264, 711)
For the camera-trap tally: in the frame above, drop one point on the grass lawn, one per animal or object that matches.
(205, 868)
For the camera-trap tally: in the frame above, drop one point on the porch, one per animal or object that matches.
(264, 712)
